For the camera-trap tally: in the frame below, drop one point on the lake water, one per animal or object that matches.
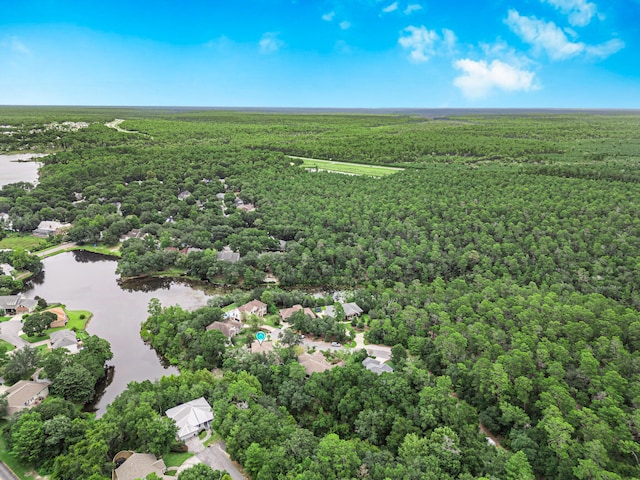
(87, 281)
(13, 171)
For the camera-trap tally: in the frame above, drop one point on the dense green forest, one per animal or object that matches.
(504, 259)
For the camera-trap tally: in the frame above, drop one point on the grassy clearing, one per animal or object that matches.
(175, 459)
(5, 319)
(20, 241)
(8, 346)
(350, 168)
(18, 468)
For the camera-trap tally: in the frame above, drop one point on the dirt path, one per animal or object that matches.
(115, 124)
(488, 434)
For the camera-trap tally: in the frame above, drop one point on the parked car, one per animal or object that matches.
(335, 344)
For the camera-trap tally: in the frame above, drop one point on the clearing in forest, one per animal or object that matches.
(348, 168)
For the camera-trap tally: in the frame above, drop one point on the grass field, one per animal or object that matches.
(7, 344)
(19, 241)
(349, 168)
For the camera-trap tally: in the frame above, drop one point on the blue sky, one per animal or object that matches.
(324, 53)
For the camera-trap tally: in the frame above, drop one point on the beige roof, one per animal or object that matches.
(314, 362)
(139, 465)
(228, 329)
(285, 313)
(23, 391)
(265, 347)
(191, 417)
(252, 306)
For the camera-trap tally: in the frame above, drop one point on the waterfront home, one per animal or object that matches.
(16, 304)
(254, 307)
(49, 227)
(64, 339)
(61, 317)
(26, 394)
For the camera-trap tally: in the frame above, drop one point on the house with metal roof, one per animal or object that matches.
(191, 417)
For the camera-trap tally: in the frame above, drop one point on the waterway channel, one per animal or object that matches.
(88, 281)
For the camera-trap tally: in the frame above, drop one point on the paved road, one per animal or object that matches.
(5, 473)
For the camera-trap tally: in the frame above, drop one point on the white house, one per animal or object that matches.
(191, 417)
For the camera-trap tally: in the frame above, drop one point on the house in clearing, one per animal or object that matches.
(64, 339)
(226, 255)
(191, 417)
(17, 304)
(375, 366)
(61, 319)
(132, 465)
(228, 329)
(286, 313)
(254, 307)
(351, 310)
(26, 394)
(135, 233)
(314, 363)
(50, 227)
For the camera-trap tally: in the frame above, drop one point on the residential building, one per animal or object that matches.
(314, 362)
(351, 310)
(226, 255)
(50, 227)
(17, 304)
(61, 317)
(227, 328)
(254, 307)
(375, 366)
(64, 339)
(26, 394)
(286, 313)
(132, 466)
(191, 417)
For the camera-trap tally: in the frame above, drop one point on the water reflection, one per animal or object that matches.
(87, 281)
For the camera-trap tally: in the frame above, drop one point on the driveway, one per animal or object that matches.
(5, 473)
(216, 457)
(10, 332)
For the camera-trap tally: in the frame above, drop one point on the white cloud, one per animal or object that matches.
(15, 45)
(480, 78)
(391, 8)
(414, 7)
(327, 17)
(580, 12)
(424, 44)
(548, 37)
(270, 43)
(605, 49)
(344, 25)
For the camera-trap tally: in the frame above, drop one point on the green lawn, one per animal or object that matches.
(352, 168)
(8, 345)
(26, 242)
(18, 468)
(100, 248)
(74, 322)
(4, 319)
(175, 459)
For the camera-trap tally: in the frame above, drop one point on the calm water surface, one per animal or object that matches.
(12, 171)
(87, 281)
